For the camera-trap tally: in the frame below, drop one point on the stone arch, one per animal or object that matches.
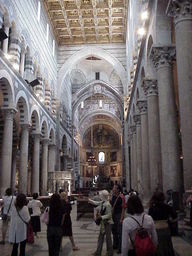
(137, 94)
(150, 69)
(44, 128)
(23, 107)
(149, 45)
(64, 144)
(85, 92)
(52, 136)
(90, 51)
(35, 121)
(7, 89)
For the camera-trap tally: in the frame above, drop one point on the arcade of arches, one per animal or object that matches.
(92, 94)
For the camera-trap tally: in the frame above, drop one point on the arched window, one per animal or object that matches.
(101, 157)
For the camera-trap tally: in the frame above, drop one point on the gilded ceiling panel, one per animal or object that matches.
(87, 21)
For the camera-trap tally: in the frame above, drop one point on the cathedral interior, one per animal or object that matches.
(95, 91)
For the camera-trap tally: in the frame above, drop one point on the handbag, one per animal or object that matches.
(4, 216)
(98, 216)
(30, 235)
(45, 216)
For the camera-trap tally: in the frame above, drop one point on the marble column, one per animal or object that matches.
(137, 120)
(28, 69)
(23, 172)
(162, 57)
(35, 165)
(44, 169)
(39, 89)
(47, 97)
(151, 92)
(126, 156)
(5, 41)
(134, 158)
(181, 10)
(22, 62)
(15, 48)
(5, 181)
(52, 151)
(131, 159)
(13, 172)
(142, 106)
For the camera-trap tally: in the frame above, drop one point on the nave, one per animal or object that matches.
(85, 234)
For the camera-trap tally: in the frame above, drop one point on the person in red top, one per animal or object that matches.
(118, 210)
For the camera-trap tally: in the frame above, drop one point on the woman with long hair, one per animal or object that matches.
(136, 215)
(18, 228)
(161, 214)
(67, 223)
(54, 228)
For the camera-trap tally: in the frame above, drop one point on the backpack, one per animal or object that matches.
(143, 244)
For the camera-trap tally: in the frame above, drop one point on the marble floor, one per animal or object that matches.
(85, 234)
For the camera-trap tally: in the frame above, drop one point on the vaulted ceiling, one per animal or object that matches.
(87, 21)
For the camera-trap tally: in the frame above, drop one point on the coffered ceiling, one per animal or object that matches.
(87, 21)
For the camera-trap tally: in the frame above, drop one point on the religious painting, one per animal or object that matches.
(113, 156)
(113, 171)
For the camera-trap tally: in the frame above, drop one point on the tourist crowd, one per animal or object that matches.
(129, 230)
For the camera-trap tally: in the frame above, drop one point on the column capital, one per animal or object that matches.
(163, 55)
(25, 126)
(9, 112)
(36, 134)
(129, 137)
(142, 106)
(52, 145)
(45, 141)
(150, 87)
(137, 119)
(180, 9)
(133, 129)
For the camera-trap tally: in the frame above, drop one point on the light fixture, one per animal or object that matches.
(34, 82)
(141, 31)
(145, 15)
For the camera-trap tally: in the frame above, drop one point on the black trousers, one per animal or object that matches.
(22, 248)
(54, 236)
(117, 232)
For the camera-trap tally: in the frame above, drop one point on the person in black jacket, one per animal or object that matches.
(161, 214)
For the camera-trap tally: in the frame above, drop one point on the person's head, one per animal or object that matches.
(21, 201)
(61, 190)
(35, 195)
(8, 192)
(134, 205)
(63, 196)
(104, 195)
(157, 197)
(117, 189)
(55, 201)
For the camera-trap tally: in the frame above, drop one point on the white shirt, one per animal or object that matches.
(6, 204)
(18, 229)
(35, 205)
(129, 228)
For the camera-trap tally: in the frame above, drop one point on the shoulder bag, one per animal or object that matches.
(30, 235)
